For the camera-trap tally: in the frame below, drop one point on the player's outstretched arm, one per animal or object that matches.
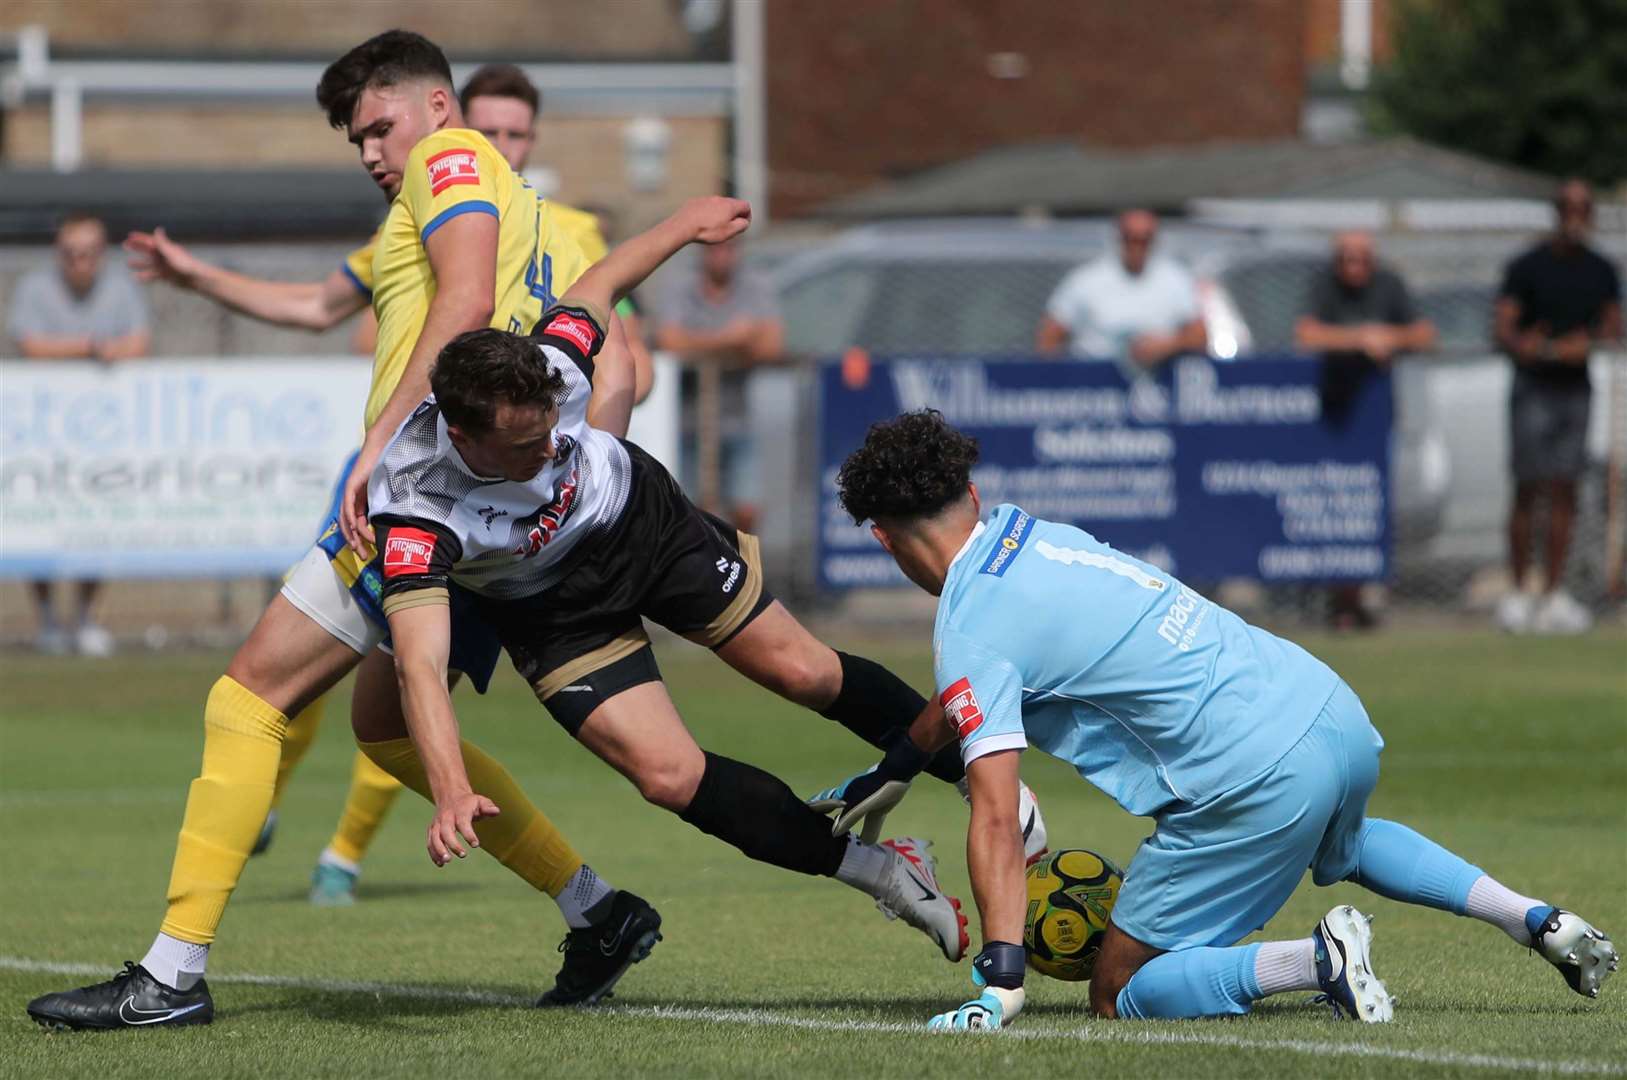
(308, 305)
(708, 220)
(422, 638)
(994, 859)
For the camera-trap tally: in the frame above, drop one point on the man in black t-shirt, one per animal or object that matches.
(1556, 302)
(1359, 316)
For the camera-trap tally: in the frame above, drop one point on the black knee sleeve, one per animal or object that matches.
(879, 707)
(753, 810)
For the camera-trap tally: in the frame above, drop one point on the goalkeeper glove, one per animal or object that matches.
(872, 794)
(998, 970)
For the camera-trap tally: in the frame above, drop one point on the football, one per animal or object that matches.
(1070, 895)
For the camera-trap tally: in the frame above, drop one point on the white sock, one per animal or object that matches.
(864, 866)
(1281, 966)
(583, 892)
(176, 963)
(330, 857)
(1490, 901)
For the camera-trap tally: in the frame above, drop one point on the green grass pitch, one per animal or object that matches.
(1513, 752)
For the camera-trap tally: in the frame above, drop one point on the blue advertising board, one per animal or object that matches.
(1208, 470)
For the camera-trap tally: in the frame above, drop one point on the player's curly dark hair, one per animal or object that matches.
(395, 56)
(482, 369)
(911, 466)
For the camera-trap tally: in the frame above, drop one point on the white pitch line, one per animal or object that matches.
(1128, 1033)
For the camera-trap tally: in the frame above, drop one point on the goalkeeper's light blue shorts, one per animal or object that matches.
(1214, 872)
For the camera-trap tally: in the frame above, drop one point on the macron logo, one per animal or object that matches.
(451, 167)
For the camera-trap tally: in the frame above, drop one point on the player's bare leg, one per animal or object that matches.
(1120, 958)
(639, 733)
(610, 929)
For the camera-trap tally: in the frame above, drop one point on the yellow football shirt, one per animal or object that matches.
(450, 173)
(584, 227)
(358, 265)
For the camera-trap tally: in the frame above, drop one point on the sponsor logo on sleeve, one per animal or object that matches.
(960, 706)
(1011, 542)
(452, 167)
(578, 332)
(408, 551)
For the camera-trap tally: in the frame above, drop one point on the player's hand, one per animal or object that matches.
(353, 524)
(454, 825)
(990, 1012)
(154, 255)
(869, 796)
(713, 219)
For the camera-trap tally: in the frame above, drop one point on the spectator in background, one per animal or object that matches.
(1360, 317)
(82, 309)
(721, 323)
(1131, 306)
(1557, 301)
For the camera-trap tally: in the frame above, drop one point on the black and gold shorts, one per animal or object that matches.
(583, 640)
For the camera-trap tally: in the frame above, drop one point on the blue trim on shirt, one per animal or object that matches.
(356, 281)
(478, 206)
(1011, 542)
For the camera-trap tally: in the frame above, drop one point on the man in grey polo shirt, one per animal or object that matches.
(722, 321)
(81, 309)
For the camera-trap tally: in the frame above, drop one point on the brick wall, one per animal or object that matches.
(649, 29)
(587, 152)
(858, 93)
(1322, 30)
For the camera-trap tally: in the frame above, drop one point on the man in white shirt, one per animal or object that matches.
(1132, 307)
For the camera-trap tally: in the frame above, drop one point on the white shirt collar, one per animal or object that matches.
(977, 530)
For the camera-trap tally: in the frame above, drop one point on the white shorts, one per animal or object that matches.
(314, 588)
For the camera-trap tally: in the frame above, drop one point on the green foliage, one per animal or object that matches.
(1541, 84)
(1512, 751)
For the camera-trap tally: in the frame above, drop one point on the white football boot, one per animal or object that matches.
(1028, 815)
(1344, 967)
(910, 891)
(1561, 614)
(1583, 954)
(1514, 612)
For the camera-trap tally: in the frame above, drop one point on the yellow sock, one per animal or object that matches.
(521, 837)
(242, 742)
(372, 793)
(302, 731)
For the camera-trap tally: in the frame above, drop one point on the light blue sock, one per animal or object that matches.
(1398, 863)
(1191, 983)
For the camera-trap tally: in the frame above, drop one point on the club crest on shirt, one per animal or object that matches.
(451, 167)
(961, 707)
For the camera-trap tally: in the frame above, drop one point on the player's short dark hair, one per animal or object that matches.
(482, 369)
(79, 216)
(501, 80)
(393, 57)
(912, 466)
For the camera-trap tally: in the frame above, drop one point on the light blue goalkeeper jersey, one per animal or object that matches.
(1047, 636)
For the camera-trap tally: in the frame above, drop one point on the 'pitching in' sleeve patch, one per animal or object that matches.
(408, 551)
(961, 707)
